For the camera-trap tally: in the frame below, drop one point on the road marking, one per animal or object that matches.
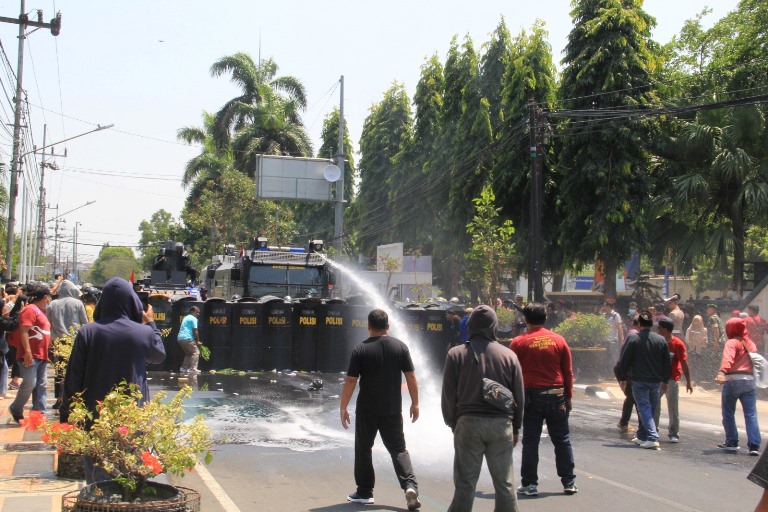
(221, 496)
(670, 503)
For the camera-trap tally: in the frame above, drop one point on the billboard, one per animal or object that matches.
(288, 178)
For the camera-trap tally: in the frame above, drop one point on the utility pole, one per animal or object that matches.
(338, 229)
(535, 284)
(74, 252)
(41, 205)
(23, 22)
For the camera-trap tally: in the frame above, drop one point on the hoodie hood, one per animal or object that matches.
(68, 289)
(482, 323)
(736, 328)
(118, 300)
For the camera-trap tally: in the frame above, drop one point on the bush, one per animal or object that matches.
(585, 331)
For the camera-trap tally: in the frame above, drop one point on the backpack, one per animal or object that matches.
(759, 367)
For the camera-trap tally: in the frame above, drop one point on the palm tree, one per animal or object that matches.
(271, 127)
(258, 83)
(722, 183)
(210, 163)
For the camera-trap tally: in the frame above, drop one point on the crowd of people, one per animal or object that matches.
(655, 354)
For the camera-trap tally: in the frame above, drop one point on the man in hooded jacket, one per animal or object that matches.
(64, 313)
(115, 347)
(479, 428)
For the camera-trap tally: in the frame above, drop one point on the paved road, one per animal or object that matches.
(282, 449)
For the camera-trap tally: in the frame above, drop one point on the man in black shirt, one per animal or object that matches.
(378, 363)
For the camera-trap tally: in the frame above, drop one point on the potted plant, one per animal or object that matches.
(132, 443)
(68, 465)
(587, 336)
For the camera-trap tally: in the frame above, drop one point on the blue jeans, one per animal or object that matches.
(475, 437)
(538, 409)
(744, 391)
(33, 384)
(647, 399)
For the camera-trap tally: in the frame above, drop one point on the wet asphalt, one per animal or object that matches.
(280, 447)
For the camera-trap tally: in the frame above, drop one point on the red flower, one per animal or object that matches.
(152, 463)
(33, 421)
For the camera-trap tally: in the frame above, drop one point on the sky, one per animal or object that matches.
(144, 66)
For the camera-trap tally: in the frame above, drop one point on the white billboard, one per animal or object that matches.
(288, 178)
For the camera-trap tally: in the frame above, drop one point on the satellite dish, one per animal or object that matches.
(331, 173)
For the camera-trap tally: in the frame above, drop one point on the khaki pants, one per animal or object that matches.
(191, 354)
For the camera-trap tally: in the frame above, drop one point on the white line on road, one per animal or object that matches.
(221, 496)
(670, 503)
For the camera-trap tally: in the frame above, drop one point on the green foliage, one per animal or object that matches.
(491, 249)
(584, 330)
(112, 262)
(384, 132)
(160, 228)
(605, 182)
(228, 212)
(131, 442)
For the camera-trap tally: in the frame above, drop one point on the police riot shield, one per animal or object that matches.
(436, 338)
(179, 310)
(277, 348)
(246, 336)
(217, 315)
(161, 306)
(306, 325)
(332, 336)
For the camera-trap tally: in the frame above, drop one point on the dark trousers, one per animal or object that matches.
(538, 409)
(10, 357)
(629, 404)
(391, 429)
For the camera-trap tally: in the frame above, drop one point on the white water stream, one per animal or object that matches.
(429, 440)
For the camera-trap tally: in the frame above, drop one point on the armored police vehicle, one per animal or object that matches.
(268, 270)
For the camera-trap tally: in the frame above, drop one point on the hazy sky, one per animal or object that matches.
(143, 65)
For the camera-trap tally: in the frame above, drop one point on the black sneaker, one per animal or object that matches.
(16, 417)
(356, 498)
(729, 447)
(570, 489)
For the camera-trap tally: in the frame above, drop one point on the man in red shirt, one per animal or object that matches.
(32, 352)
(548, 377)
(679, 364)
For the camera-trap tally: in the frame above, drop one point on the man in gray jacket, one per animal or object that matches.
(64, 313)
(479, 428)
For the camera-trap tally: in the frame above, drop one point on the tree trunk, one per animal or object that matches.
(609, 277)
(557, 281)
(737, 226)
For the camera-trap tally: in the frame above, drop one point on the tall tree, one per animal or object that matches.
(265, 118)
(605, 181)
(212, 160)
(385, 129)
(530, 75)
(410, 188)
(257, 83)
(493, 65)
(461, 162)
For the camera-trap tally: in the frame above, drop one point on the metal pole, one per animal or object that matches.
(338, 231)
(41, 206)
(15, 161)
(535, 286)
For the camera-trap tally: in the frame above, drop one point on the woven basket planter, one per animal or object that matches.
(98, 498)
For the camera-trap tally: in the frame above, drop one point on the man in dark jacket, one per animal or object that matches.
(479, 428)
(116, 347)
(646, 357)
